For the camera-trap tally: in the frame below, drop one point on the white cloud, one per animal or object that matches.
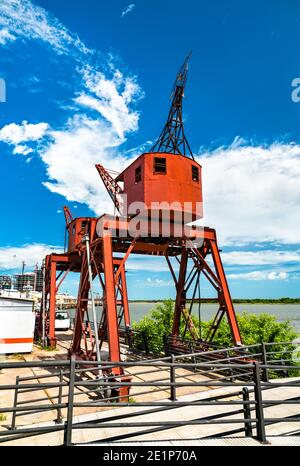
(252, 193)
(71, 156)
(6, 36)
(26, 21)
(14, 134)
(111, 98)
(263, 257)
(12, 257)
(259, 275)
(128, 10)
(70, 153)
(23, 150)
(157, 282)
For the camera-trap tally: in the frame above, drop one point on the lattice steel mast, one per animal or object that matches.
(172, 138)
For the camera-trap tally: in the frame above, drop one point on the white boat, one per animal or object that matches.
(17, 320)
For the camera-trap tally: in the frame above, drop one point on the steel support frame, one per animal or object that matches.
(217, 279)
(53, 263)
(113, 280)
(112, 276)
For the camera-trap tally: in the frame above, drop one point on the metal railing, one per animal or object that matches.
(76, 386)
(135, 340)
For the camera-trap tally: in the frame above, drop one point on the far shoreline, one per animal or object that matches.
(282, 301)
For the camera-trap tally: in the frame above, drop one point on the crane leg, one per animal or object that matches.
(224, 295)
(110, 297)
(125, 298)
(180, 293)
(216, 278)
(82, 302)
(52, 305)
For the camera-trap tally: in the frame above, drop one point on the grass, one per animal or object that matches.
(2, 417)
(17, 356)
(46, 348)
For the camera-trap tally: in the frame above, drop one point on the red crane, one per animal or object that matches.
(166, 180)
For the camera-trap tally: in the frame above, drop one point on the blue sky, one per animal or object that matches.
(89, 81)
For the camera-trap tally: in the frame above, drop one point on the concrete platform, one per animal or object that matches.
(217, 442)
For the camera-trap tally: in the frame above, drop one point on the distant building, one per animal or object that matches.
(65, 299)
(25, 281)
(38, 280)
(29, 281)
(5, 282)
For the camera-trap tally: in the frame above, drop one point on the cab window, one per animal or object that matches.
(160, 165)
(195, 173)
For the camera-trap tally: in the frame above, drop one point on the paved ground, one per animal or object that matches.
(216, 442)
(48, 396)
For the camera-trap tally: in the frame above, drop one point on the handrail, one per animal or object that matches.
(224, 372)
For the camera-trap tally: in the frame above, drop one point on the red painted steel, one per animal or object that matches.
(226, 294)
(68, 216)
(180, 293)
(52, 304)
(110, 299)
(176, 185)
(125, 298)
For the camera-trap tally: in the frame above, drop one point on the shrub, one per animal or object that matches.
(155, 326)
(254, 328)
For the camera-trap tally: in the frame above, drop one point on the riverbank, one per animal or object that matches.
(282, 312)
(235, 300)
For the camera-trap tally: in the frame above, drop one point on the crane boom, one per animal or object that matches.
(172, 138)
(112, 187)
(68, 216)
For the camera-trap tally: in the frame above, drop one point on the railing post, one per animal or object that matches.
(194, 364)
(165, 341)
(14, 414)
(265, 373)
(59, 419)
(231, 372)
(172, 379)
(68, 428)
(128, 335)
(260, 423)
(145, 340)
(247, 413)
(284, 372)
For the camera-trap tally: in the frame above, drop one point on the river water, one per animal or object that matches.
(282, 312)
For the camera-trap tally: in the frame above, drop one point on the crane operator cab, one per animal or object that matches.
(163, 181)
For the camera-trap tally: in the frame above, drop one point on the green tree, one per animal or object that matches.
(155, 326)
(254, 329)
